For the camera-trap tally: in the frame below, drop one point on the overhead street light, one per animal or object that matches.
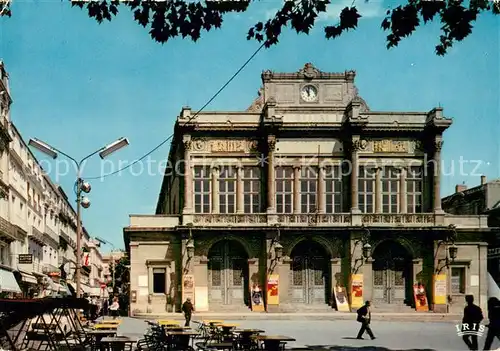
(80, 187)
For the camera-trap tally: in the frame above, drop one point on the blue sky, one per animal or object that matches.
(79, 85)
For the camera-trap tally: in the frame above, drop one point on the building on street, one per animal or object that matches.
(306, 192)
(37, 220)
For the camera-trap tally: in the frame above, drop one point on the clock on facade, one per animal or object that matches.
(309, 93)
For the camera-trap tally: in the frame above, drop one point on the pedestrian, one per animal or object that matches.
(188, 309)
(494, 318)
(473, 315)
(115, 306)
(364, 317)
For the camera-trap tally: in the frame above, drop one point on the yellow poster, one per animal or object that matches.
(440, 289)
(273, 297)
(340, 294)
(188, 287)
(357, 290)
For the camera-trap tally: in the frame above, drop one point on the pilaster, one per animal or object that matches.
(240, 199)
(355, 147)
(296, 189)
(438, 145)
(378, 190)
(271, 196)
(321, 190)
(188, 181)
(215, 189)
(402, 191)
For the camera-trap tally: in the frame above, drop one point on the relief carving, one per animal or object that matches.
(271, 143)
(227, 145)
(359, 145)
(391, 146)
(258, 104)
(438, 145)
(309, 71)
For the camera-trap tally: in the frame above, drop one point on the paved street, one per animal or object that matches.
(338, 335)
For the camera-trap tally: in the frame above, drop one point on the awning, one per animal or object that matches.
(8, 282)
(28, 278)
(83, 288)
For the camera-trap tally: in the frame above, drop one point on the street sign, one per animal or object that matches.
(25, 259)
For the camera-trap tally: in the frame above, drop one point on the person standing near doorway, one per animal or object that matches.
(188, 309)
(364, 317)
(494, 318)
(115, 306)
(473, 315)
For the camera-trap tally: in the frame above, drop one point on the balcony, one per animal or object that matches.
(399, 220)
(7, 231)
(48, 268)
(36, 236)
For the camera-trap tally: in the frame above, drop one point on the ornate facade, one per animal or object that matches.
(297, 186)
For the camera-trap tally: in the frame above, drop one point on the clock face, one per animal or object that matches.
(309, 93)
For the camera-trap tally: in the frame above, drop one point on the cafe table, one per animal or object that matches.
(110, 321)
(166, 322)
(245, 339)
(272, 342)
(118, 343)
(97, 336)
(213, 321)
(180, 339)
(105, 326)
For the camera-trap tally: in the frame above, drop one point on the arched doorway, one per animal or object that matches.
(227, 273)
(392, 273)
(310, 271)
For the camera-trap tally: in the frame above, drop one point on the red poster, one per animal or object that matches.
(420, 297)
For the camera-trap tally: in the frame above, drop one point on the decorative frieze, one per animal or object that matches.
(388, 146)
(314, 219)
(224, 145)
(399, 219)
(203, 219)
(391, 146)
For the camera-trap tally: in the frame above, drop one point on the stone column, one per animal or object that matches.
(215, 189)
(240, 198)
(296, 189)
(321, 190)
(438, 144)
(188, 181)
(271, 196)
(356, 146)
(402, 191)
(378, 190)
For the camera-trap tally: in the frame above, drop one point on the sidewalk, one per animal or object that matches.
(403, 317)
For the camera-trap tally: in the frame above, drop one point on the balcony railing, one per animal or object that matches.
(7, 230)
(390, 219)
(225, 219)
(36, 236)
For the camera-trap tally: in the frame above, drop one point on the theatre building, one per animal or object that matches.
(300, 195)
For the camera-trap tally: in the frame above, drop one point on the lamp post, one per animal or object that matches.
(113, 249)
(80, 187)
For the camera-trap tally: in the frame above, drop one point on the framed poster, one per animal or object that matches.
(340, 293)
(257, 298)
(420, 297)
(188, 287)
(440, 289)
(273, 297)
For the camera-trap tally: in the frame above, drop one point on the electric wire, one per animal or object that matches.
(188, 121)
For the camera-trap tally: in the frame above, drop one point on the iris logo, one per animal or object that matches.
(470, 329)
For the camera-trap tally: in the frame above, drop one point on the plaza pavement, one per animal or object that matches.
(340, 334)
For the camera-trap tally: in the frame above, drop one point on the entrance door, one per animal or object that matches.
(227, 273)
(310, 275)
(391, 273)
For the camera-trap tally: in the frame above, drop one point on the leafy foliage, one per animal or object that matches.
(168, 19)
(122, 281)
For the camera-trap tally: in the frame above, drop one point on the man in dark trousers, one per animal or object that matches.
(473, 315)
(188, 309)
(364, 317)
(494, 318)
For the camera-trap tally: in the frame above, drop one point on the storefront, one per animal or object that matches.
(8, 283)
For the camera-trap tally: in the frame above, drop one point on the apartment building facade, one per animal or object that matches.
(306, 193)
(37, 220)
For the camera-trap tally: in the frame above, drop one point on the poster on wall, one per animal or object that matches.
(273, 297)
(188, 287)
(340, 294)
(440, 289)
(257, 298)
(357, 290)
(201, 302)
(420, 296)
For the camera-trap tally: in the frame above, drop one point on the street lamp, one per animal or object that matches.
(80, 187)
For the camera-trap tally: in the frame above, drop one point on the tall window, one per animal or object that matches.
(251, 190)
(333, 189)
(284, 189)
(366, 189)
(414, 181)
(159, 281)
(308, 189)
(458, 280)
(202, 189)
(390, 189)
(227, 189)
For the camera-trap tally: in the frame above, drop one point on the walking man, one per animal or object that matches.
(364, 317)
(494, 318)
(473, 315)
(188, 309)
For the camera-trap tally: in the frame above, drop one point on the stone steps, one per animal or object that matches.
(303, 308)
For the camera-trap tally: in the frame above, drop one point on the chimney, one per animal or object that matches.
(460, 187)
(483, 180)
